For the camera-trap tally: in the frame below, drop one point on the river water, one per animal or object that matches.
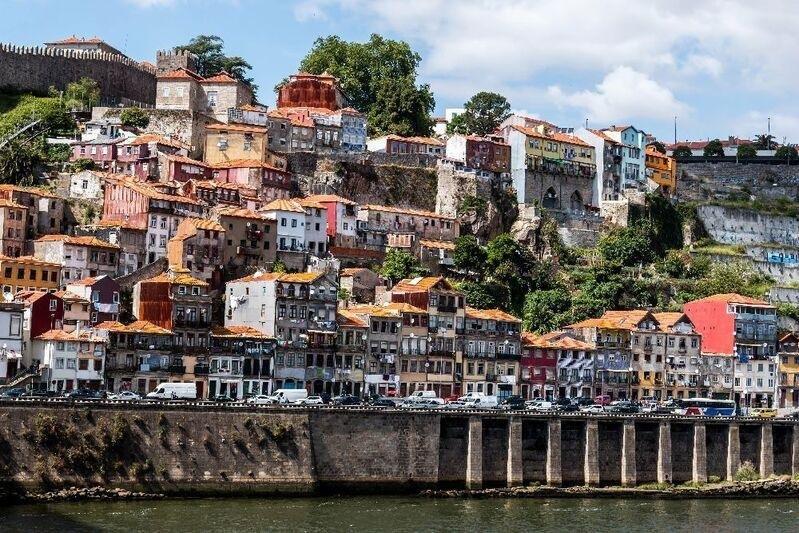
(400, 514)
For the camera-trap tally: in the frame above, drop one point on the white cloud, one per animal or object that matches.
(680, 48)
(623, 94)
(784, 125)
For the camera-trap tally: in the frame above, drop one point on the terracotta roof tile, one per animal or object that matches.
(420, 284)
(733, 298)
(140, 326)
(557, 340)
(78, 241)
(330, 198)
(28, 260)
(292, 206)
(356, 253)
(491, 314)
(176, 278)
(221, 77)
(348, 319)
(238, 332)
(180, 74)
(61, 335)
(438, 245)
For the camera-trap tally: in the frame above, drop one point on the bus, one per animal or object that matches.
(706, 407)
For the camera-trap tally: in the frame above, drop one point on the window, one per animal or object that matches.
(53, 305)
(212, 98)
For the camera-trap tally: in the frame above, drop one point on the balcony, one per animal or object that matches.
(176, 369)
(447, 309)
(201, 370)
(196, 324)
(440, 352)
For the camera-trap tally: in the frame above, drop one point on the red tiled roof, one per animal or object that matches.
(221, 77)
(733, 298)
(180, 74)
(78, 241)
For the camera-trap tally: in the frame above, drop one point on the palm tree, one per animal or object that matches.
(764, 142)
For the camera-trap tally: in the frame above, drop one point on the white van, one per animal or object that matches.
(470, 396)
(481, 402)
(422, 395)
(284, 396)
(174, 391)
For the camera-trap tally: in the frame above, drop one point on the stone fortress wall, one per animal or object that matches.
(36, 69)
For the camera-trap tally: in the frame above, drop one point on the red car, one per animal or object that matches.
(602, 400)
(450, 399)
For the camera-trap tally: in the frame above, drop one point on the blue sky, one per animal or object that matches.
(722, 67)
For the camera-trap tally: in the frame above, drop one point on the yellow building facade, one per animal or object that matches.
(661, 169)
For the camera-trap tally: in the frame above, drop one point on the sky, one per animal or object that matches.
(721, 67)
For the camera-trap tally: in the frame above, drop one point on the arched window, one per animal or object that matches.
(551, 199)
(576, 201)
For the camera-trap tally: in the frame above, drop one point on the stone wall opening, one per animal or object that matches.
(750, 444)
(495, 452)
(682, 452)
(572, 452)
(534, 450)
(783, 449)
(610, 453)
(453, 447)
(716, 439)
(646, 452)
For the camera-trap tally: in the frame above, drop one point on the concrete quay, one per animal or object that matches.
(196, 449)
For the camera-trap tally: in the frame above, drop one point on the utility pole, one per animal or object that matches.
(675, 129)
(769, 133)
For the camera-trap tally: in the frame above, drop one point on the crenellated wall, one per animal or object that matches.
(36, 69)
(194, 449)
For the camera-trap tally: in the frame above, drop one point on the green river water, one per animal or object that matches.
(400, 514)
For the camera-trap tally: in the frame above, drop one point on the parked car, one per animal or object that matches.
(593, 409)
(223, 398)
(382, 401)
(12, 393)
(346, 400)
(602, 400)
(452, 398)
(538, 405)
(792, 414)
(763, 412)
(40, 394)
(583, 401)
(311, 400)
(83, 394)
(427, 403)
(565, 408)
(512, 403)
(455, 405)
(127, 395)
(623, 407)
(260, 399)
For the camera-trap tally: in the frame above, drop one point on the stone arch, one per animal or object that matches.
(576, 201)
(551, 199)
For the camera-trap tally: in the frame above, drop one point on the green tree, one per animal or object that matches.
(134, 117)
(746, 151)
(674, 265)
(734, 277)
(658, 146)
(628, 246)
(666, 223)
(484, 295)
(482, 114)
(682, 151)
(82, 94)
(786, 152)
(764, 141)
(399, 265)
(468, 255)
(547, 310)
(211, 59)
(714, 149)
(379, 78)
